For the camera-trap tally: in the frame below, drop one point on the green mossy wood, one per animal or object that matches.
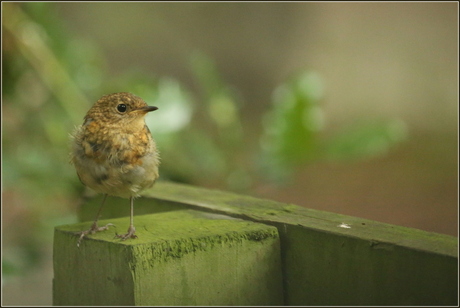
(327, 258)
(180, 258)
(332, 259)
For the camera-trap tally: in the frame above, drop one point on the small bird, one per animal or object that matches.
(114, 153)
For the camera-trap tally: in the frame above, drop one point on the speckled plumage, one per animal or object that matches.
(113, 151)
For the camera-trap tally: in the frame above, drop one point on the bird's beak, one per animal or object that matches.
(150, 108)
(147, 109)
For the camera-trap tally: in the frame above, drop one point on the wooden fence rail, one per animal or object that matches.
(206, 247)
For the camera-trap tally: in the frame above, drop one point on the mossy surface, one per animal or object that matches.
(179, 258)
(276, 213)
(332, 259)
(190, 229)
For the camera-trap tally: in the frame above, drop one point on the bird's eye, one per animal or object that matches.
(121, 108)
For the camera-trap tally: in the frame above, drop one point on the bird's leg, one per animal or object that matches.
(94, 228)
(131, 229)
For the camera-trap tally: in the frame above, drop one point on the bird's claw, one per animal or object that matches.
(130, 234)
(94, 228)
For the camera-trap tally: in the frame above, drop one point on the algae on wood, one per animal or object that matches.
(180, 258)
(333, 259)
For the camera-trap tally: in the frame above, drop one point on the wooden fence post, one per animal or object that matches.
(180, 258)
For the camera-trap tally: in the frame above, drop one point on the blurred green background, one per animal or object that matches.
(344, 107)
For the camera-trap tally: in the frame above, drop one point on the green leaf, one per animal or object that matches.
(291, 125)
(365, 139)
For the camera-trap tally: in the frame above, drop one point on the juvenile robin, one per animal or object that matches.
(114, 153)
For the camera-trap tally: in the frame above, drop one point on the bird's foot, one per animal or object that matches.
(94, 228)
(130, 234)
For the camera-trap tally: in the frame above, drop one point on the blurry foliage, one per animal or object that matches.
(291, 126)
(366, 138)
(291, 129)
(50, 80)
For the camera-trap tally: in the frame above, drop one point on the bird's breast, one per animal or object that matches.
(119, 164)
